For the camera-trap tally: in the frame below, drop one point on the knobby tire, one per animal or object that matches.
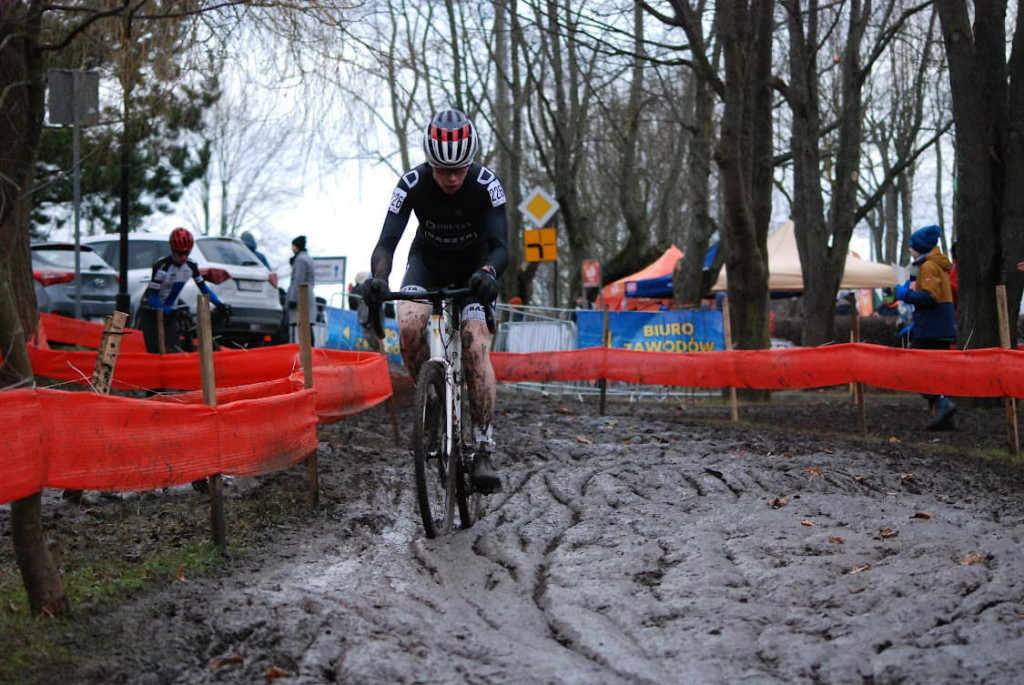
(436, 471)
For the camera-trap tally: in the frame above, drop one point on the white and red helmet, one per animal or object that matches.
(450, 140)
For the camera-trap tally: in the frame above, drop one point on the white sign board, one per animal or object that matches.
(330, 269)
(538, 206)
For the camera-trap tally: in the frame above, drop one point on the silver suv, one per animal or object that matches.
(231, 270)
(53, 271)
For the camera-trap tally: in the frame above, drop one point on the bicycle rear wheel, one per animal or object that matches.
(436, 470)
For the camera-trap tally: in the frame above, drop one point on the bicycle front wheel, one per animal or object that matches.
(436, 470)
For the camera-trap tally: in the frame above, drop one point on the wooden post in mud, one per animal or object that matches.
(306, 356)
(1012, 434)
(734, 410)
(161, 337)
(602, 383)
(103, 372)
(858, 388)
(204, 332)
(110, 348)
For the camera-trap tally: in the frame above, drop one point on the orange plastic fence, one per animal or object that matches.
(86, 441)
(346, 382)
(264, 420)
(85, 333)
(975, 373)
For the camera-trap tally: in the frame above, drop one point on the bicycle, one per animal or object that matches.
(181, 331)
(443, 463)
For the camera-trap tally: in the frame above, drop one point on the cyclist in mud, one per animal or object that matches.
(170, 273)
(461, 240)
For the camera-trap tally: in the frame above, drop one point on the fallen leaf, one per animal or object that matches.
(859, 479)
(859, 568)
(276, 672)
(887, 533)
(807, 522)
(181, 573)
(563, 410)
(827, 451)
(584, 440)
(894, 439)
(813, 472)
(221, 663)
(836, 540)
(906, 476)
(778, 502)
(923, 515)
(972, 558)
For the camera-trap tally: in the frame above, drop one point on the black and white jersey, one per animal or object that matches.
(457, 234)
(169, 278)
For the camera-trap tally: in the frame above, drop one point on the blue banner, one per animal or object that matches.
(345, 333)
(682, 330)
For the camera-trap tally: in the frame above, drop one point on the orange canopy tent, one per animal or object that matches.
(614, 294)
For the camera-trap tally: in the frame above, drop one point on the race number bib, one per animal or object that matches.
(397, 200)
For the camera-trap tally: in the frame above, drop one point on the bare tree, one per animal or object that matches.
(253, 167)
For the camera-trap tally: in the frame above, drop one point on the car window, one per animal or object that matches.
(141, 253)
(64, 258)
(227, 252)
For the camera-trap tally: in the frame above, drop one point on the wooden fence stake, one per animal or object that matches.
(161, 337)
(858, 388)
(734, 410)
(602, 383)
(1012, 434)
(204, 332)
(103, 372)
(304, 334)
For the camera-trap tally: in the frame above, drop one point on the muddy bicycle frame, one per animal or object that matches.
(439, 388)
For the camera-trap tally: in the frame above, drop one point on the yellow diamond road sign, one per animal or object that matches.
(538, 206)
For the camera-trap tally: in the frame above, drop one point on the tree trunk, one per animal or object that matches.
(978, 76)
(741, 158)
(21, 117)
(688, 280)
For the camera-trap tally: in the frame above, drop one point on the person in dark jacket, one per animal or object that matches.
(303, 273)
(934, 325)
(250, 242)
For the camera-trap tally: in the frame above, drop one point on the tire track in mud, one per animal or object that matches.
(633, 548)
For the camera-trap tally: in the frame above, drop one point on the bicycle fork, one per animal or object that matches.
(446, 347)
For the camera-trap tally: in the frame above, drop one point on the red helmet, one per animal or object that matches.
(181, 240)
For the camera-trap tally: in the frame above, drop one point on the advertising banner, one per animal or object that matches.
(345, 333)
(682, 331)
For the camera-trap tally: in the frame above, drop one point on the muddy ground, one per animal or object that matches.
(657, 544)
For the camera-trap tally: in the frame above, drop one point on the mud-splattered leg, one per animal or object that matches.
(479, 377)
(412, 321)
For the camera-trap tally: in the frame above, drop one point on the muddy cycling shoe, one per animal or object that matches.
(485, 479)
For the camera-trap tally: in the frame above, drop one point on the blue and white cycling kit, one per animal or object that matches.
(169, 278)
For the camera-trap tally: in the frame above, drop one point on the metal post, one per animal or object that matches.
(76, 175)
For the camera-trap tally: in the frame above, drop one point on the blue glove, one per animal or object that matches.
(906, 330)
(902, 289)
(168, 309)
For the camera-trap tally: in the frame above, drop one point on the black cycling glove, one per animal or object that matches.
(484, 285)
(374, 291)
